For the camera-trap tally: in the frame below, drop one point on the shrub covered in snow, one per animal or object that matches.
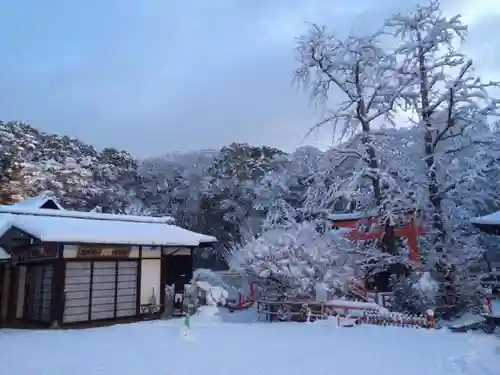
(299, 257)
(449, 298)
(414, 294)
(216, 291)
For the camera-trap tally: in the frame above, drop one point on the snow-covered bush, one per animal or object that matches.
(415, 294)
(459, 291)
(216, 291)
(299, 257)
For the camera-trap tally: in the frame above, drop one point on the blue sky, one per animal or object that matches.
(156, 76)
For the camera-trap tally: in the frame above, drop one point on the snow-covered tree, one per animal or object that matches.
(449, 101)
(452, 109)
(359, 69)
(12, 163)
(10, 180)
(80, 176)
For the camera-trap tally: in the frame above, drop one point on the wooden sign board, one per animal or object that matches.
(102, 252)
(35, 253)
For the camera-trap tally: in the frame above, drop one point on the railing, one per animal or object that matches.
(399, 320)
(358, 313)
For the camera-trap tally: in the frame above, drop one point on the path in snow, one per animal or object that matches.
(234, 344)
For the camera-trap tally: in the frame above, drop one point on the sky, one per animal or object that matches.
(156, 76)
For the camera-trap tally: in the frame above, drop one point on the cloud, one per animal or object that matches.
(156, 76)
(473, 13)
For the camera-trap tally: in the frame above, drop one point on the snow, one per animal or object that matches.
(472, 320)
(13, 209)
(491, 219)
(468, 320)
(427, 284)
(224, 343)
(297, 255)
(5, 225)
(91, 229)
(353, 215)
(37, 202)
(3, 254)
(219, 286)
(354, 304)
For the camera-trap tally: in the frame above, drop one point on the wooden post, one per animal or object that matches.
(2, 272)
(431, 319)
(13, 293)
(58, 289)
(115, 301)
(163, 282)
(138, 282)
(91, 290)
(412, 238)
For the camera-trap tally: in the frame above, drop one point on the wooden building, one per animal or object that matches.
(64, 267)
(491, 224)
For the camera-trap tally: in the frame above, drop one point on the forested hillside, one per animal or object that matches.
(224, 192)
(230, 192)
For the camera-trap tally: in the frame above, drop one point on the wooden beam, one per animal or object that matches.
(117, 270)
(58, 286)
(13, 292)
(90, 289)
(163, 280)
(138, 284)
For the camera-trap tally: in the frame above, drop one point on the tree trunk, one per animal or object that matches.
(433, 185)
(388, 239)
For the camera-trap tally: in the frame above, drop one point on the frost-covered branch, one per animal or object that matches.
(447, 98)
(360, 70)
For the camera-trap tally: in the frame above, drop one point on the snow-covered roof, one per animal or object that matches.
(86, 227)
(491, 219)
(4, 255)
(38, 202)
(13, 209)
(35, 204)
(353, 215)
(341, 231)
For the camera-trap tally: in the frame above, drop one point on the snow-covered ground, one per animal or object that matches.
(227, 344)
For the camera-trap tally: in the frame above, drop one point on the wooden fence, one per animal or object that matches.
(359, 313)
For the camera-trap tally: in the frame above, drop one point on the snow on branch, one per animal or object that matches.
(357, 67)
(360, 70)
(442, 76)
(299, 255)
